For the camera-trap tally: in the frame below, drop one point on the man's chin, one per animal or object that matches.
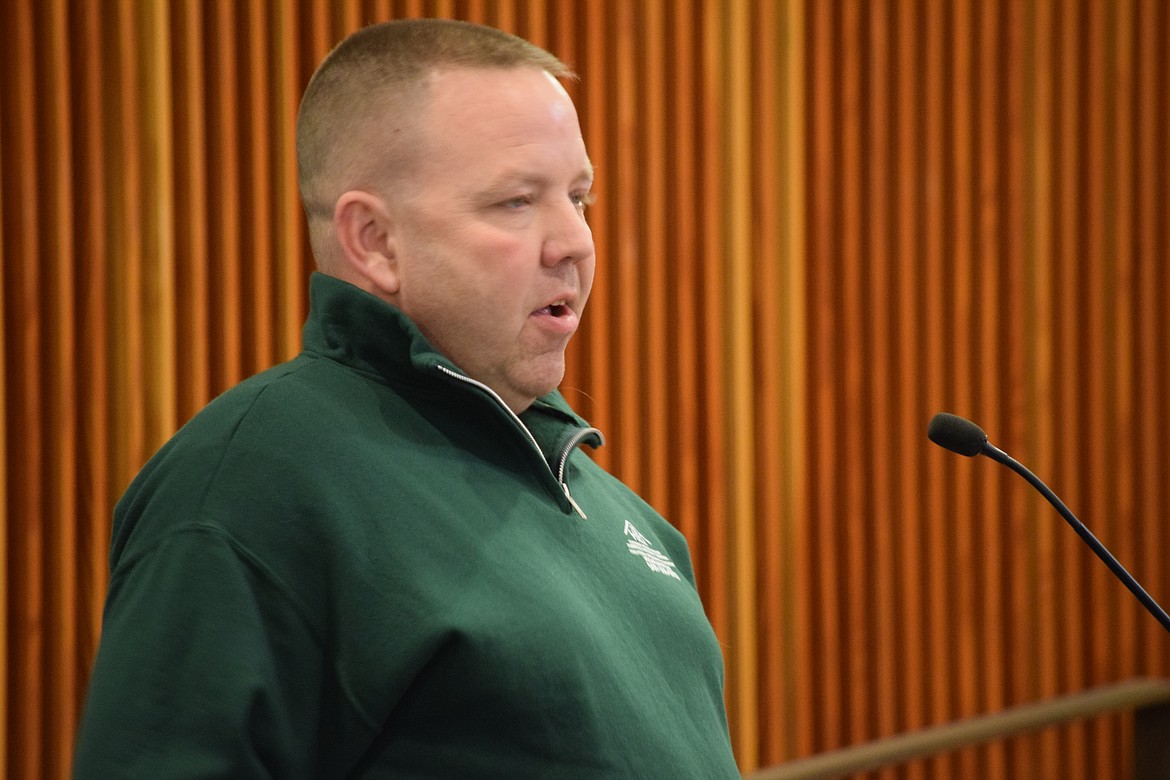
(539, 385)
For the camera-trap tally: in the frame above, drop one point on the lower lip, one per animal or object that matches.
(564, 325)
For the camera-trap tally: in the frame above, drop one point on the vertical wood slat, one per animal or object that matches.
(1100, 276)
(59, 426)
(1152, 233)
(623, 343)
(768, 86)
(908, 232)
(258, 240)
(25, 600)
(5, 515)
(684, 254)
(737, 372)
(993, 298)
(935, 267)
(1043, 156)
(847, 383)
(7, 500)
(1120, 198)
(289, 72)
(654, 282)
(714, 498)
(192, 192)
(964, 194)
(878, 396)
(1068, 290)
(1019, 535)
(152, 35)
(827, 656)
(94, 469)
(226, 226)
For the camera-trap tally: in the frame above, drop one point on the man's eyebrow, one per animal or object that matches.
(514, 178)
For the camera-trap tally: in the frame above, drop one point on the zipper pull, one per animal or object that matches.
(568, 495)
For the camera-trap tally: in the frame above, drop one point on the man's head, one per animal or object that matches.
(442, 168)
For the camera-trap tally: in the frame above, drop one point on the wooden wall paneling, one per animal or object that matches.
(1158, 533)
(1068, 260)
(1149, 493)
(878, 399)
(967, 327)
(1045, 156)
(1162, 160)
(767, 363)
(289, 74)
(125, 192)
(910, 490)
(532, 23)
(938, 519)
(996, 299)
(226, 328)
(348, 16)
(153, 46)
(318, 32)
(59, 378)
(848, 296)
(9, 54)
(91, 246)
(1119, 102)
(1098, 370)
(1151, 186)
(793, 399)
(826, 656)
(502, 15)
(737, 354)
(192, 195)
(625, 333)
(1020, 645)
(258, 235)
(961, 326)
(25, 589)
(686, 263)
(656, 394)
(5, 515)
(712, 281)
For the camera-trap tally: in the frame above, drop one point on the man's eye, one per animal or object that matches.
(582, 199)
(517, 202)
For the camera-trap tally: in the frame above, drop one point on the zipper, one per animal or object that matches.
(564, 455)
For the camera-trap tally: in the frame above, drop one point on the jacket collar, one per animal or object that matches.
(358, 329)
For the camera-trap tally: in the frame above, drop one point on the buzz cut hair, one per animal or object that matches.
(377, 77)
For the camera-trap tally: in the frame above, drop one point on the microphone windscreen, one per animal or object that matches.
(956, 434)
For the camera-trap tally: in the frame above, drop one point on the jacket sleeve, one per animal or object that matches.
(207, 668)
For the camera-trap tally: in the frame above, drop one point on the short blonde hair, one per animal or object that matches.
(379, 74)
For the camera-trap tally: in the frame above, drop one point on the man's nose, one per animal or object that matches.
(568, 237)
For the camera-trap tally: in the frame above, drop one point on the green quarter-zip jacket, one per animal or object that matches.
(361, 563)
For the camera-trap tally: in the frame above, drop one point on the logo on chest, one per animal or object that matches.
(640, 545)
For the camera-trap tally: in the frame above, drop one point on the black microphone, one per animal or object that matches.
(966, 438)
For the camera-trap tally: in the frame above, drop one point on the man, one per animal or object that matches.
(387, 557)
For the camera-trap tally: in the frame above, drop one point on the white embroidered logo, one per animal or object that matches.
(640, 545)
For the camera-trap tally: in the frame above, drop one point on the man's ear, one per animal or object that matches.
(365, 234)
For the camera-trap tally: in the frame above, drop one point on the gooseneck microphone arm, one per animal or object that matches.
(966, 438)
